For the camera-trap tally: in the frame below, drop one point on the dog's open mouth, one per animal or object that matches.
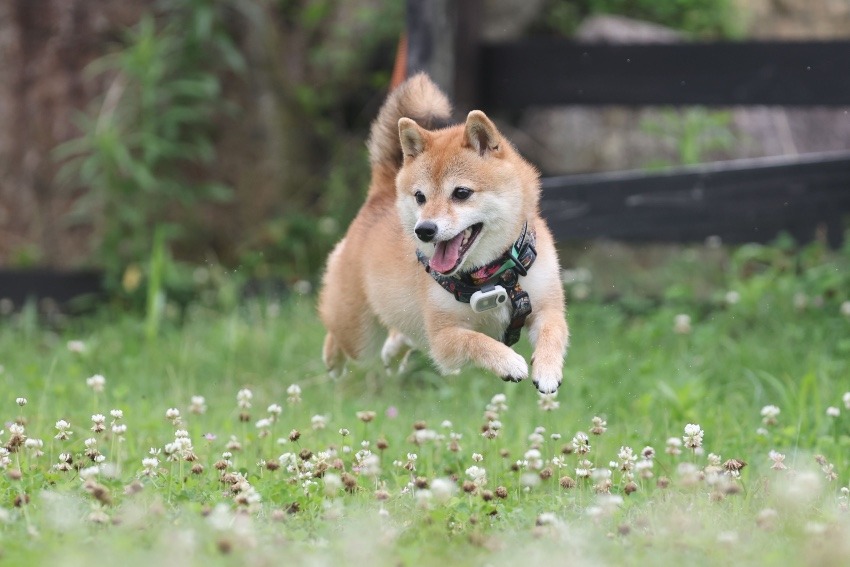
(448, 254)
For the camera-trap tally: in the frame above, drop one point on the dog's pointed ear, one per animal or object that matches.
(412, 138)
(481, 133)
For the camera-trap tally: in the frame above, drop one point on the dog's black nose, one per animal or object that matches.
(426, 231)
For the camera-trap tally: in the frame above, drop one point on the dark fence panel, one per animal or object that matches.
(61, 287)
(741, 201)
(553, 72)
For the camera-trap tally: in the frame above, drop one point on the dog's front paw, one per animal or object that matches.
(546, 381)
(514, 368)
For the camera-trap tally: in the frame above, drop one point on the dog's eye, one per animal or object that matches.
(461, 193)
(420, 198)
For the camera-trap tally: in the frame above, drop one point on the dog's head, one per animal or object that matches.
(463, 192)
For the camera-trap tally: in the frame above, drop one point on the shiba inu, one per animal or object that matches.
(449, 253)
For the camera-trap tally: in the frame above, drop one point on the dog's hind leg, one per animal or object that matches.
(397, 347)
(333, 357)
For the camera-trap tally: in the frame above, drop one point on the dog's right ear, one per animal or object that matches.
(412, 138)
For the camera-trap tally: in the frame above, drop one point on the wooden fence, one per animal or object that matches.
(740, 201)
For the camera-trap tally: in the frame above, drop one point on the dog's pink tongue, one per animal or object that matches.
(446, 254)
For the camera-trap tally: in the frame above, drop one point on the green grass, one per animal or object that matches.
(626, 365)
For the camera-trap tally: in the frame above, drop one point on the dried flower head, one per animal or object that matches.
(366, 416)
(778, 461)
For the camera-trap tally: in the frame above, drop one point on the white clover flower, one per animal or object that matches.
(443, 489)
(477, 457)
(732, 297)
(293, 394)
(173, 414)
(119, 429)
(598, 425)
(548, 402)
(845, 308)
(198, 405)
(318, 422)
(833, 411)
(627, 458)
(682, 324)
(534, 459)
(243, 398)
(673, 446)
(333, 484)
(264, 423)
(581, 443)
(96, 382)
(275, 410)
(21, 401)
(62, 427)
(477, 474)
(76, 346)
(116, 414)
(769, 414)
(150, 465)
(584, 469)
(33, 443)
(446, 424)
(498, 403)
(846, 399)
(693, 436)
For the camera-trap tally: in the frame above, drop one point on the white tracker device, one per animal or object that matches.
(488, 298)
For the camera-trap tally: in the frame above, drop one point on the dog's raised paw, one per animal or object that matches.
(547, 386)
(513, 368)
(513, 379)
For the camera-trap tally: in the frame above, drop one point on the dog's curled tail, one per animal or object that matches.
(417, 98)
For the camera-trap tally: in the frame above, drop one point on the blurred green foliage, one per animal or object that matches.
(143, 150)
(700, 18)
(694, 133)
(149, 147)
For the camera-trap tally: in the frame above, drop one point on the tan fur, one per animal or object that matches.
(374, 280)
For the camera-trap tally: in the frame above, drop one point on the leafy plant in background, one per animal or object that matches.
(702, 18)
(143, 149)
(329, 96)
(694, 133)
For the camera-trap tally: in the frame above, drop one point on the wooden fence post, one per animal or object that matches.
(442, 40)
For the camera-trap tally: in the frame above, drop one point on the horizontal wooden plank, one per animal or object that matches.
(740, 201)
(557, 72)
(58, 286)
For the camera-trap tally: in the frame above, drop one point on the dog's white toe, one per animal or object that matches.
(546, 382)
(514, 368)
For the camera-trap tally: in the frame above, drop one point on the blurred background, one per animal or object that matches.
(192, 140)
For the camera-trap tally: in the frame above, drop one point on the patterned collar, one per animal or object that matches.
(505, 271)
